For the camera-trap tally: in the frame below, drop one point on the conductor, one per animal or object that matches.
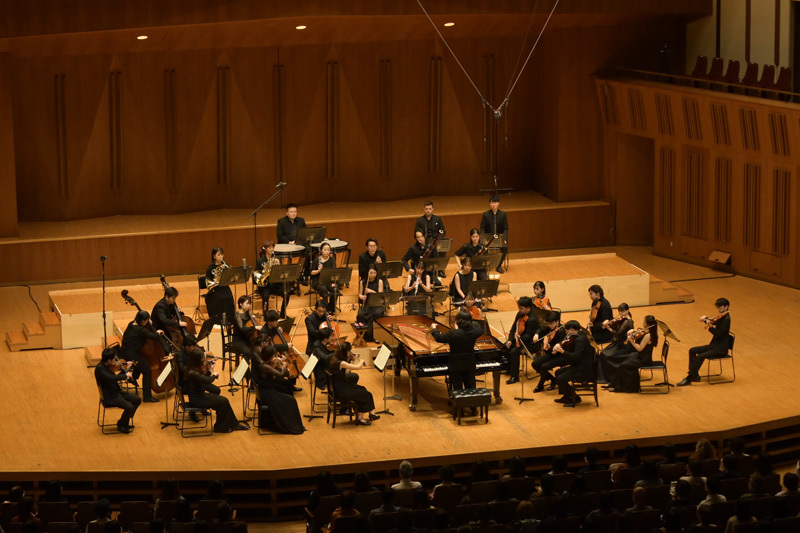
(461, 363)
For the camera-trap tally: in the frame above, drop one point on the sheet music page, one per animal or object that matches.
(383, 357)
(240, 371)
(162, 377)
(309, 368)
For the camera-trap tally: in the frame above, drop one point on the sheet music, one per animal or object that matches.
(240, 371)
(162, 377)
(383, 357)
(309, 368)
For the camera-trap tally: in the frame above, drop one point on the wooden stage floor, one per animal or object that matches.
(49, 401)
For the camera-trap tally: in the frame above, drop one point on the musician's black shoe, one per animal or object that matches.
(150, 400)
(539, 388)
(362, 422)
(512, 380)
(552, 386)
(241, 427)
(685, 381)
(500, 270)
(193, 416)
(563, 399)
(297, 389)
(573, 404)
(124, 429)
(374, 417)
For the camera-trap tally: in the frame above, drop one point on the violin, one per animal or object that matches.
(153, 353)
(616, 321)
(568, 341)
(637, 334)
(549, 338)
(712, 320)
(520, 328)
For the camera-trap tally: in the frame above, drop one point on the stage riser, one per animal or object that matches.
(133, 255)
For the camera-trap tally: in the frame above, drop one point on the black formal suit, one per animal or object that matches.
(496, 224)
(133, 340)
(545, 363)
(324, 361)
(718, 346)
(365, 260)
(287, 229)
(526, 338)
(461, 362)
(599, 333)
(113, 396)
(430, 227)
(204, 394)
(580, 356)
(414, 254)
(164, 316)
(313, 323)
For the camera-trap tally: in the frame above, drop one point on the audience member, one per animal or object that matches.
(52, 492)
(713, 489)
(704, 524)
(15, 494)
(405, 522)
(755, 486)
(681, 496)
(526, 518)
(744, 515)
(447, 475)
(26, 510)
(703, 451)
(670, 455)
(590, 457)
(361, 483)
(649, 475)
(559, 465)
(790, 484)
(695, 476)
(484, 517)
(387, 496)
(632, 460)
(325, 487)
(671, 522)
(406, 470)
(516, 468)
(639, 501)
(215, 491)
(546, 487)
(346, 508)
(728, 467)
(102, 512)
(764, 464)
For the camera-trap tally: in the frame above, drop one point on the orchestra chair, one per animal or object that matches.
(164, 510)
(719, 359)
(133, 511)
(54, 512)
(474, 398)
(184, 416)
(653, 367)
(250, 413)
(336, 404)
(198, 311)
(61, 527)
(587, 387)
(101, 406)
(261, 411)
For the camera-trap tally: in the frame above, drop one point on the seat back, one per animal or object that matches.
(521, 488)
(61, 527)
(483, 491)
(717, 65)
(183, 527)
(700, 67)
(133, 511)
(627, 478)
(671, 472)
(382, 522)
(750, 75)
(732, 74)
(504, 512)
(767, 80)
(165, 510)
(597, 480)
(784, 82)
(54, 512)
(207, 509)
(322, 514)
(665, 352)
(448, 497)
(657, 496)
(731, 340)
(646, 521)
(84, 514)
(367, 501)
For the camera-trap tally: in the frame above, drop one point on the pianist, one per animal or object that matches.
(461, 362)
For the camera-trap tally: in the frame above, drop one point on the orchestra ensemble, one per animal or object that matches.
(609, 349)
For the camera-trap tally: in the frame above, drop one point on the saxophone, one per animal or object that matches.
(261, 277)
(217, 272)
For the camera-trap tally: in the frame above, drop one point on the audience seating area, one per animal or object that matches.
(717, 76)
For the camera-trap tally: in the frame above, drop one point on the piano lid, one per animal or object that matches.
(412, 332)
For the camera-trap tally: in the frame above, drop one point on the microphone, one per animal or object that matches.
(281, 185)
(103, 258)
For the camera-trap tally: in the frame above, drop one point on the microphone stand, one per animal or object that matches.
(254, 214)
(105, 329)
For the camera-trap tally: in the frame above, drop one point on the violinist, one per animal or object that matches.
(323, 349)
(205, 395)
(495, 222)
(366, 315)
(549, 336)
(471, 307)
(429, 224)
(242, 332)
(461, 362)
(341, 365)
(182, 359)
(270, 375)
(471, 249)
(579, 353)
(541, 300)
(108, 375)
(266, 261)
(619, 350)
(219, 299)
(137, 333)
(272, 335)
(521, 334)
(325, 260)
(372, 256)
(720, 328)
(289, 225)
(599, 313)
(459, 287)
(164, 316)
(418, 283)
(418, 251)
(642, 342)
(314, 324)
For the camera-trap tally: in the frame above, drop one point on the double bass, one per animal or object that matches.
(154, 354)
(177, 334)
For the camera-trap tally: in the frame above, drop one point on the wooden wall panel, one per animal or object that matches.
(8, 200)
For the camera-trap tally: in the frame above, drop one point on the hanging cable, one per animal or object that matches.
(522, 48)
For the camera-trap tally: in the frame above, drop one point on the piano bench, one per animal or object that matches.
(474, 398)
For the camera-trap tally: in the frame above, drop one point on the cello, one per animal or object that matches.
(177, 334)
(154, 354)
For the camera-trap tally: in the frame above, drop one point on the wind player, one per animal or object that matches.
(164, 316)
(369, 285)
(418, 283)
(720, 328)
(471, 249)
(108, 381)
(372, 256)
(549, 336)
(429, 224)
(495, 222)
(219, 299)
(521, 333)
(266, 261)
(580, 356)
(461, 362)
(324, 261)
(138, 332)
(416, 251)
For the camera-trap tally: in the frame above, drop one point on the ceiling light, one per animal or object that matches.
(301, 27)
(142, 37)
(448, 24)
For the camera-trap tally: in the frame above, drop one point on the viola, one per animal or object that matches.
(153, 353)
(542, 303)
(520, 327)
(569, 340)
(595, 309)
(712, 321)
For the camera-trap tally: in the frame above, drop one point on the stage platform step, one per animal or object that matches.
(94, 353)
(664, 292)
(46, 333)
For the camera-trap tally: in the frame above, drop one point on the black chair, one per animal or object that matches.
(60, 527)
(367, 501)
(720, 512)
(646, 521)
(586, 387)
(657, 496)
(185, 411)
(85, 514)
(671, 471)
(719, 359)
(321, 516)
(383, 522)
(133, 511)
(165, 510)
(483, 491)
(521, 488)
(262, 414)
(201, 285)
(786, 525)
(338, 405)
(54, 512)
(657, 366)
(101, 418)
(597, 480)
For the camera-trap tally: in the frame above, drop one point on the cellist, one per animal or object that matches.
(521, 333)
(138, 332)
(164, 316)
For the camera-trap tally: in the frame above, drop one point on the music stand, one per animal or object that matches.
(381, 362)
(391, 269)
(485, 261)
(306, 237)
(334, 276)
(444, 245)
(234, 276)
(541, 315)
(382, 299)
(436, 264)
(285, 274)
(308, 375)
(207, 328)
(484, 290)
(496, 243)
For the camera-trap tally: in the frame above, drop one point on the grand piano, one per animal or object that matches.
(424, 357)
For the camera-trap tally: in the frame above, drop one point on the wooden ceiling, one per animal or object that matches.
(55, 27)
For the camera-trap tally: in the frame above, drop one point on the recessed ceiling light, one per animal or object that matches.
(448, 24)
(142, 37)
(301, 27)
